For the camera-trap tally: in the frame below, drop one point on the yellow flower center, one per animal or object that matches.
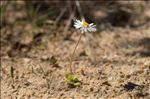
(85, 24)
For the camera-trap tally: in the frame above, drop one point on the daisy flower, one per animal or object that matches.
(84, 26)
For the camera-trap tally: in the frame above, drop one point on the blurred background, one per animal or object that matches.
(57, 12)
(25, 22)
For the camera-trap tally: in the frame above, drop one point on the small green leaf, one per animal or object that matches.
(53, 60)
(72, 80)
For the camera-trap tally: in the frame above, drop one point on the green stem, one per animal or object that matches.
(72, 55)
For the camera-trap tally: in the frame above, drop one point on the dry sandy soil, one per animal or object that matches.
(113, 63)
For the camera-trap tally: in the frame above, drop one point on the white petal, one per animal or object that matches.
(93, 29)
(82, 28)
(78, 21)
(77, 26)
(90, 29)
(91, 24)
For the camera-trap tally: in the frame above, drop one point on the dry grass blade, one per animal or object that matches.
(79, 9)
(69, 20)
(12, 72)
(59, 17)
(68, 23)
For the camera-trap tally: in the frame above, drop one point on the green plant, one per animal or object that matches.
(53, 60)
(71, 78)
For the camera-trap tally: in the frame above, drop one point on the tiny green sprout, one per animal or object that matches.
(53, 60)
(72, 80)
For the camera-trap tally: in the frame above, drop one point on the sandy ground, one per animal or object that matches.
(112, 64)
